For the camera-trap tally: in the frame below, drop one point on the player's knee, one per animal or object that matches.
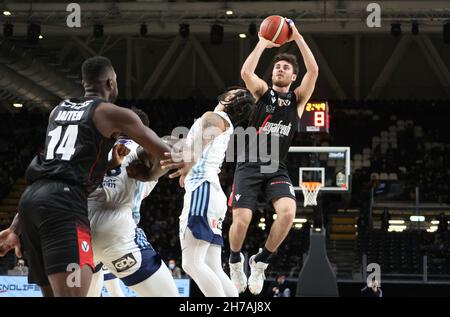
(188, 266)
(241, 224)
(286, 214)
(242, 218)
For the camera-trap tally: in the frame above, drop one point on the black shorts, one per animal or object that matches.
(55, 229)
(249, 182)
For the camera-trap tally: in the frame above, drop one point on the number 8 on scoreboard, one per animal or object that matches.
(315, 118)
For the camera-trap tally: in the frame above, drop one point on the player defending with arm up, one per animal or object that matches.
(205, 203)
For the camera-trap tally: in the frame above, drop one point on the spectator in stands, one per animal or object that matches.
(279, 288)
(372, 289)
(176, 270)
(19, 269)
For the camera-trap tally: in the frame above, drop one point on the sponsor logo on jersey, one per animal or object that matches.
(125, 262)
(109, 183)
(237, 197)
(284, 102)
(276, 128)
(216, 223)
(270, 108)
(74, 105)
(85, 246)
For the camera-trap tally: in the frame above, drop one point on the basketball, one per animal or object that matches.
(275, 28)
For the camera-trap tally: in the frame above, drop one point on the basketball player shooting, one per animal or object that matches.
(277, 114)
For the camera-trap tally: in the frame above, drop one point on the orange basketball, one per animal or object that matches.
(276, 29)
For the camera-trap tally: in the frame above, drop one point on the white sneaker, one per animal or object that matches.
(257, 277)
(238, 276)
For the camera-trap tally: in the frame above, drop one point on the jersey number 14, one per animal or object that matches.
(66, 145)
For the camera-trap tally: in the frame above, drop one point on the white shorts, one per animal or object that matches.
(203, 212)
(124, 248)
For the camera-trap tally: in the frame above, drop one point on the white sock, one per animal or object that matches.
(160, 284)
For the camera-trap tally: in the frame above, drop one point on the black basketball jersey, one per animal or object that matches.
(75, 151)
(275, 116)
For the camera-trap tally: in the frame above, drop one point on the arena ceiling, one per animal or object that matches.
(122, 17)
(40, 74)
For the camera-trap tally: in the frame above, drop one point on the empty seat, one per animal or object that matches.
(357, 157)
(384, 134)
(366, 151)
(366, 163)
(384, 176)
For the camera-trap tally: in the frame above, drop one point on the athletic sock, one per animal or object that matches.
(235, 257)
(264, 256)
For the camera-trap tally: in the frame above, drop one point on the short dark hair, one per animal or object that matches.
(142, 115)
(95, 68)
(290, 58)
(240, 107)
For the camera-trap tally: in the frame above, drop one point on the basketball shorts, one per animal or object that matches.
(249, 182)
(55, 229)
(203, 212)
(129, 257)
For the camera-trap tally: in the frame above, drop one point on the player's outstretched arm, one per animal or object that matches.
(212, 125)
(306, 88)
(111, 120)
(9, 238)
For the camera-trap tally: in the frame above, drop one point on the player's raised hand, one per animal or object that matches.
(9, 240)
(295, 33)
(119, 152)
(267, 43)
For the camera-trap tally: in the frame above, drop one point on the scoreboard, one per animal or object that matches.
(315, 118)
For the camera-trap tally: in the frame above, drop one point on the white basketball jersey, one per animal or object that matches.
(120, 192)
(208, 166)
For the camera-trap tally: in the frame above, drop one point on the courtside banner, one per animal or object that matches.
(18, 286)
